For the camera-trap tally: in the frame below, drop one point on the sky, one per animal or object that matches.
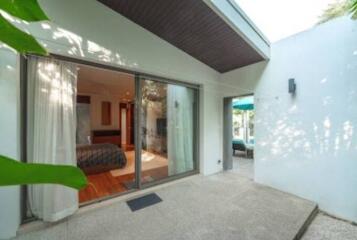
(278, 19)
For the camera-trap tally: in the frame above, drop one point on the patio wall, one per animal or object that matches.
(307, 144)
(9, 138)
(101, 35)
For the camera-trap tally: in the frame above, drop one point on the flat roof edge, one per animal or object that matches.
(249, 21)
(233, 15)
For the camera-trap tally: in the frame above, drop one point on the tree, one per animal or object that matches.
(13, 172)
(339, 8)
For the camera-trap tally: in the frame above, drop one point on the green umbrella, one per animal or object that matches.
(246, 103)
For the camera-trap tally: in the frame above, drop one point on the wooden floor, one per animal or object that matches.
(127, 147)
(104, 184)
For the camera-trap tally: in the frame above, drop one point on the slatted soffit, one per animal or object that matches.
(191, 26)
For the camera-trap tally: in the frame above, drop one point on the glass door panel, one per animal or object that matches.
(167, 127)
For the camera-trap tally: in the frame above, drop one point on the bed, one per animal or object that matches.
(98, 158)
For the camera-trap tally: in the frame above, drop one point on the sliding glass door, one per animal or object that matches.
(167, 126)
(123, 130)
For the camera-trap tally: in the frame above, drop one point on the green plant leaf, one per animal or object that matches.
(19, 40)
(28, 10)
(354, 10)
(16, 173)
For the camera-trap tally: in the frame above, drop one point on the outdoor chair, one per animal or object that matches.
(239, 145)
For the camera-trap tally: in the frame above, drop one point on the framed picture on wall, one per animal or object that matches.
(106, 113)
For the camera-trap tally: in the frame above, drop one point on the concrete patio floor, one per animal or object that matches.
(221, 206)
(243, 166)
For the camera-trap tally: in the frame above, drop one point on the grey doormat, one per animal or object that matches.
(143, 202)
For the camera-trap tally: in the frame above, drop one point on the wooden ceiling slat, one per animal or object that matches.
(191, 26)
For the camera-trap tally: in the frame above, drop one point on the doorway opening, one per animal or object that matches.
(243, 135)
(239, 135)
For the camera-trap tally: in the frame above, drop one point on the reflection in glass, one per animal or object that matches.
(167, 122)
(180, 103)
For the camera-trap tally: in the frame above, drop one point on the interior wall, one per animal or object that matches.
(123, 125)
(96, 112)
(105, 86)
(9, 138)
(307, 144)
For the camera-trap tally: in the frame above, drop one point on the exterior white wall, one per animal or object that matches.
(307, 144)
(86, 29)
(9, 139)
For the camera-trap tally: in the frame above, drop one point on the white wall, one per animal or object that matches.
(123, 125)
(9, 139)
(307, 144)
(99, 34)
(113, 89)
(96, 112)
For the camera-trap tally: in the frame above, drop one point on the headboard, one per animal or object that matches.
(107, 136)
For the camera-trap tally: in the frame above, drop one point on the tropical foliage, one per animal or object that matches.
(17, 173)
(13, 172)
(339, 8)
(354, 9)
(29, 11)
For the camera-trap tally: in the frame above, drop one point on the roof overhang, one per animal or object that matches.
(216, 32)
(236, 18)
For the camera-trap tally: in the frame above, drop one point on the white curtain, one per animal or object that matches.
(180, 110)
(83, 124)
(52, 132)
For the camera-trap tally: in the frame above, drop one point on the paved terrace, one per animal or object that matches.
(221, 206)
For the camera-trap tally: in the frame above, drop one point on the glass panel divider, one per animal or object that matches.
(138, 131)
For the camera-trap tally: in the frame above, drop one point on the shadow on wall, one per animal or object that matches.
(82, 43)
(307, 144)
(287, 135)
(321, 124)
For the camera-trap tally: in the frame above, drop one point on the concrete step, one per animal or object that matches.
(307, 223)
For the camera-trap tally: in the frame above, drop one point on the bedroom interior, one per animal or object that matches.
(105, 134)
(84, 115)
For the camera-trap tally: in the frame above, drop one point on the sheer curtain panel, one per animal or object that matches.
(51, 132)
